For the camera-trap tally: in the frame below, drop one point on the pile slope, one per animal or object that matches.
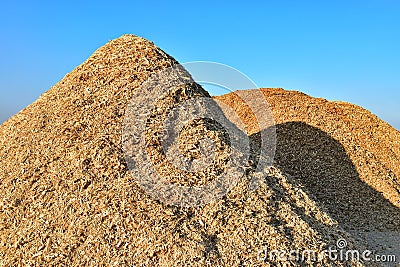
(68, 199)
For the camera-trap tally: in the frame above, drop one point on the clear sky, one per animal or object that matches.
(339, 50)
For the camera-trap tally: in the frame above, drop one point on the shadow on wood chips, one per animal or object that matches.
(325, 171)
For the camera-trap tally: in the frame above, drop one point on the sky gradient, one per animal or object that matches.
(338, 50)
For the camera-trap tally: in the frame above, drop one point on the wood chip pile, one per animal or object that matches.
(68, 199)
(344, 157)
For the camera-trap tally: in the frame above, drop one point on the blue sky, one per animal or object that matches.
(339, 50)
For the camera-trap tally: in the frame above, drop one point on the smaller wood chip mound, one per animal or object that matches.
(346, 158)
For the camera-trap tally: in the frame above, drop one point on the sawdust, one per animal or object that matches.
(68, 199)
(345, 158)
